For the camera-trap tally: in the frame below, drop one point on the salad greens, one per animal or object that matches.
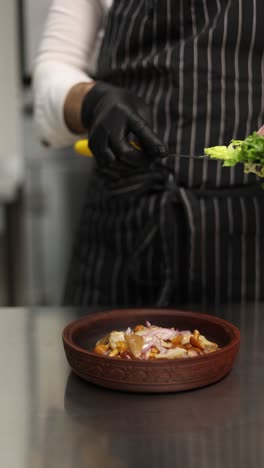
(249, 152)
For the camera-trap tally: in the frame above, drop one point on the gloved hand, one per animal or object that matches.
(113, 117)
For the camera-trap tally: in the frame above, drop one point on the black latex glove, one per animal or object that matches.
(114, 117)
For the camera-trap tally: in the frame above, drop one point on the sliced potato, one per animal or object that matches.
(172, 354)
(116, 336)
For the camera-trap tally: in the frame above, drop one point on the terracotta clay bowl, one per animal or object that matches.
(170, 375)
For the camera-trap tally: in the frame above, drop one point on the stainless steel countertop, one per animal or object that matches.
(50, 418)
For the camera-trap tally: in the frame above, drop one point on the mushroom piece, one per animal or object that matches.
(135, 344)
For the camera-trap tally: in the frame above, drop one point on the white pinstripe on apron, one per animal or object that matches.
(188, 230)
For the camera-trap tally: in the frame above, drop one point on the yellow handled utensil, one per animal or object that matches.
(82, 147)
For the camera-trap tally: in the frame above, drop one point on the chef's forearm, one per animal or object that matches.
(73, 106)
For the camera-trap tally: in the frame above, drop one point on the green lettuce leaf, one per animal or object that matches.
(249, 152)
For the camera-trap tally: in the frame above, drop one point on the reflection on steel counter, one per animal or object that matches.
(145, 427)
(60, 421)
(114, 412)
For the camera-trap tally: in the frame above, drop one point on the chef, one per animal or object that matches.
(161, 225)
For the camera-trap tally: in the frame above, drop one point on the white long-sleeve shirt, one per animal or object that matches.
(67, 55)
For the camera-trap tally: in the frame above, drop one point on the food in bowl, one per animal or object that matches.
(153, 342)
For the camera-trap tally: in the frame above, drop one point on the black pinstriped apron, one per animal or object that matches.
(187, 229)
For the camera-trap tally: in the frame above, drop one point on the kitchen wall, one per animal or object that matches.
(11, 154)
(35, 12)
(11, 161)
(52, 183)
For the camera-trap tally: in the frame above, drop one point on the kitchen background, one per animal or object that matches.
(41, 190)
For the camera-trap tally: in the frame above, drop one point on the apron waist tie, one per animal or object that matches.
(161, 180)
